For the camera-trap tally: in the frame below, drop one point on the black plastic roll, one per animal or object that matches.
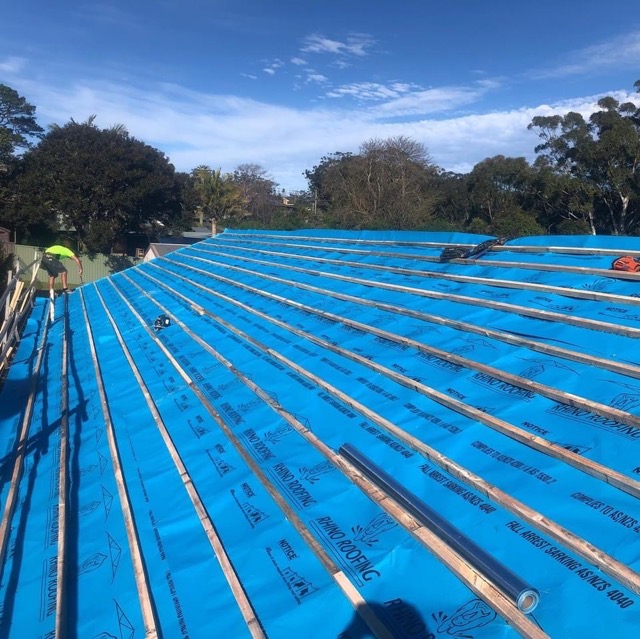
(522, 594)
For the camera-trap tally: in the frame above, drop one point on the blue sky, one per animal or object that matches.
(284, 83)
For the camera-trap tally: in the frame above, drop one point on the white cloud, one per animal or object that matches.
(366, 91)
(271, 68)
(298, 61)
(340, 63)
(316, 77)
(223, 131)
(621, 52)
(429, 101)
(356, 44)
(12, 64)
(399, 99)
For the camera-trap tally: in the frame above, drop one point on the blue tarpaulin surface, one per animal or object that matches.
(172, 441)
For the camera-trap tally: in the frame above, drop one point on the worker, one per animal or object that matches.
(51, 262)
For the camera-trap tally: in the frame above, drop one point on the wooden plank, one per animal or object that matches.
(20, 449)
(355, 598)
(544, 390)
(230, 236)
(246, 609)
(10, 332)
(512, 248)
(570, 250)
(605, 562)
(466, 279)
(145, 595)
(63, 485)
(551, 316)
(557, 268)
(477, 582)
(418, 257)
(508, 338)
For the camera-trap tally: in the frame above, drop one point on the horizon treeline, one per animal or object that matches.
(104, 183)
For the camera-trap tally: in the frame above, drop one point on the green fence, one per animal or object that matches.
(95, 267)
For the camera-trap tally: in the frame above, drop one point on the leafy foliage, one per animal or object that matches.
(17, 123)
(216, 197)
(105, 183)
(603, 154)
(102, 183)
(389, 184)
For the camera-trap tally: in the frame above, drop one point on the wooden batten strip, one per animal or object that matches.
(474, 580)
(562, 318)
(20, 450)
(417, 257)
(510, 248)
(63, 484)
(570, 250)
(246, 609)
(609, 565)
(464, 279)
(544, 390)
(230, 237)
(508, 338)
(353, 595)
(145, 595)
(556, 268)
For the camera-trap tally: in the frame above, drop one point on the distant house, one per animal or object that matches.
(6, 245)
(157, 249)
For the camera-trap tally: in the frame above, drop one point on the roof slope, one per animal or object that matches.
(274, 434)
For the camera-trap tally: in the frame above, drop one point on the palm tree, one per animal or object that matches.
(218, 198)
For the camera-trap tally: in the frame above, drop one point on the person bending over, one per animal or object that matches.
(52, 263)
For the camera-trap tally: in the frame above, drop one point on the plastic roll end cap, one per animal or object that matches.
(528, 600)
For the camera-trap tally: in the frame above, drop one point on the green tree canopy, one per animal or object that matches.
(17, 123)
(217, 197)
(388, 184)
(499, 192)
(603, 152)
(101, 182)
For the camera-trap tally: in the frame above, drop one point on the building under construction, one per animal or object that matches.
(327, 434)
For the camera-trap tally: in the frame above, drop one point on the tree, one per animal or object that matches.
(17, 123)
(217, 197)
(497, 186)
(102, 183)
(258, 191)
(604, 153)
(563, 203)
(388, 184)
(453, 204)
(17, 129)
(320, 180)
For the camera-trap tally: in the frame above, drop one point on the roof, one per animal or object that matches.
(156, 249)
(330, 434)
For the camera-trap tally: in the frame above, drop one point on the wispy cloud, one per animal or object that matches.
(273, 67)
(621, 52)
(313, 77)
(356, 44)
(366, 91)
(398, 99)
(298, 61)
(430, 101)
(195, 128)
(12, 64)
